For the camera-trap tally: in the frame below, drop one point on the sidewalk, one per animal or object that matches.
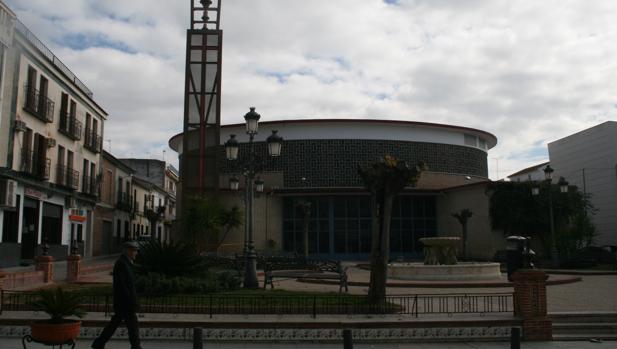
(60, 268)
(115, 344)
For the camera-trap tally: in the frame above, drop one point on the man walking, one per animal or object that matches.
(125, 299)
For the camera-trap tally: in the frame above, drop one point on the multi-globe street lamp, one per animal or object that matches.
(250, 168)
(563, 187)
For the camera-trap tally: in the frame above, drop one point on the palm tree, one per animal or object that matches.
(229, 219)
(201, 221)
(384, 179)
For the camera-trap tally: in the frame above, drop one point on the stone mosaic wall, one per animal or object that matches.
(333, 163)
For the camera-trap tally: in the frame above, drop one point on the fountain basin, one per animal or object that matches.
(456, 272)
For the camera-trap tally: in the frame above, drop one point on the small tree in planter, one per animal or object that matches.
(59, 305)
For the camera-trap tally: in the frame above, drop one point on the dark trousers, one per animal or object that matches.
(130, 319)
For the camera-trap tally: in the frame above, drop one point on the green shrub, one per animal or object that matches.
(59, 304)
(160, 284)
(169, 259)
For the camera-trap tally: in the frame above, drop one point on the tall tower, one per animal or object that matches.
(202, 100)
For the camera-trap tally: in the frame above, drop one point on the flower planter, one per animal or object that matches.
(55, 333)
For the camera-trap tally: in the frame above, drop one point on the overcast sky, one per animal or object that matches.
(530, 72)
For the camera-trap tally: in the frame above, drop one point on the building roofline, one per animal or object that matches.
(141, 159)
(588, 129)
(529, 169)
(117, 162)
(468, 185)
(147, 184)
(492, 139)
(62, 69)
(7, 9)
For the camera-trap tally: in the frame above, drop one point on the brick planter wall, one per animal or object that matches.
(530, 304)
(46, 265)
(23, 279)
(73, 267)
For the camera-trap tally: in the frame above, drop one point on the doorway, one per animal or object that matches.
(30, 228)
(107, 238)
(77, 237)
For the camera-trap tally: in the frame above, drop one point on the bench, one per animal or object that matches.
(302, 268)
(235, 263)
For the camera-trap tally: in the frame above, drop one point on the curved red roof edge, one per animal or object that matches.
(397, 122)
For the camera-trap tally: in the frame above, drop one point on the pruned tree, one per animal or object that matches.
(384, 179)
(462, 217)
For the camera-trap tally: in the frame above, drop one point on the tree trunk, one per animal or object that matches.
(464, 240)
(380, 249)
(305, 233)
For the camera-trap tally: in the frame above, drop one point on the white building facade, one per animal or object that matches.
(588, 159)
(530, 174)
(50, 144)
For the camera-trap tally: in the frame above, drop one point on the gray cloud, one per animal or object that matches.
(528, 71)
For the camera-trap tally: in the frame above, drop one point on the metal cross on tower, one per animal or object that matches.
(202, 102)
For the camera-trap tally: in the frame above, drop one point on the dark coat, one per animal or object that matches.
(125, 296)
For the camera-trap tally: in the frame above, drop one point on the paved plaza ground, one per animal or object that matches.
(16, 344)
(594, 293)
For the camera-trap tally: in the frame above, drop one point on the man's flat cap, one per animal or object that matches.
(131, 244)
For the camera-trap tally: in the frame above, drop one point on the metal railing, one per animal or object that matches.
(93, 141)
(124, 202)
(313, 305)
(39, 105)
(23, 30)
(33, 165)
(67, 177)
(70, 126)
(88, 186)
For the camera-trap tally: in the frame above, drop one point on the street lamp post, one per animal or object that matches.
(250, 169)
(563, 187)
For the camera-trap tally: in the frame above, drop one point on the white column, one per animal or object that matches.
(40, 229)
(20, 224)
(1, 224)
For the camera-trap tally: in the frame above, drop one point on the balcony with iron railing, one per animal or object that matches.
(125, 202)
(88, 186)
(23, 30)
(39, 105)
(67, 177)
(70, 126)
(93, 141)
(32, 164)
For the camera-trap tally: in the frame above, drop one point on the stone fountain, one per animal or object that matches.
(441, 264)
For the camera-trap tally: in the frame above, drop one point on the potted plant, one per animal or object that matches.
(59, 305)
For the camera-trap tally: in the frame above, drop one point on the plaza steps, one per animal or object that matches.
(584, 326)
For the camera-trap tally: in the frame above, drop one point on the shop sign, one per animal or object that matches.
(33, 193)
(77, 215)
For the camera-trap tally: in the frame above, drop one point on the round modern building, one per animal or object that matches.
(319, 164)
